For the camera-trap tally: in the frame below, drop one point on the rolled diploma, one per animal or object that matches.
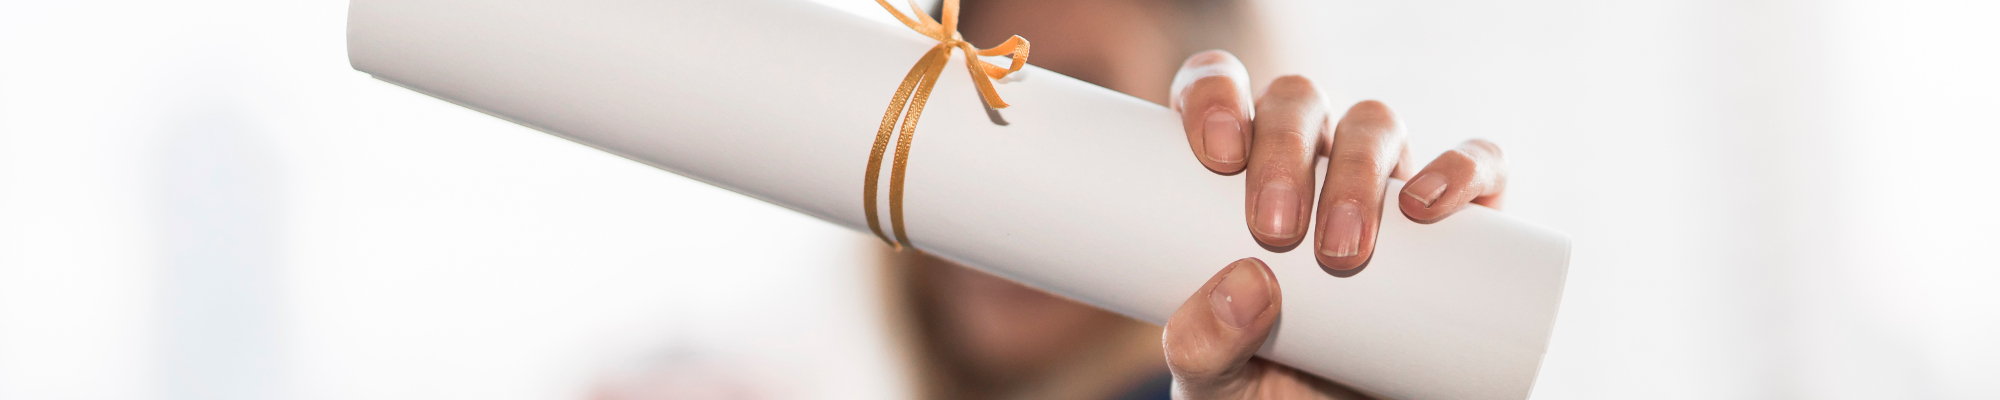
(1086, 192)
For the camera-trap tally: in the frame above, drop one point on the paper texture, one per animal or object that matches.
(1087, 193)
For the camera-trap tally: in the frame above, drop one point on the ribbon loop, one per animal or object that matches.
(915, 91)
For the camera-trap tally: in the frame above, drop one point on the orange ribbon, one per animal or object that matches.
(916, 90)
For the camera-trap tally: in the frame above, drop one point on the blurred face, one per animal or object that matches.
(1003, 331)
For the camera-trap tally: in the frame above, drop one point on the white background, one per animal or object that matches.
(199, 199)
(1769, 199)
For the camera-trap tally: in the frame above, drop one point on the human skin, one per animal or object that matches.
(1282, 137)
(1276, 140)
(1279, 139)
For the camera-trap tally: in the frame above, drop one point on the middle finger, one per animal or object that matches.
(1290, 124)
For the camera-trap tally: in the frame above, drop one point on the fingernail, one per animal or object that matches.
(1343, 231)
(1425, 189)
(1222, 137)
(1241, 296)
(1277, 209)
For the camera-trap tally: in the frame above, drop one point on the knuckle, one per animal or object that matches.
(1212, 88)
(1292, 106)
(1293, 86)
(1457, 157)
(1290, 136)
(1373, 114)
(1490, 149)
(1375, 107)
(1370, 122)
(1189, 368)
(1192, 358)
(1356, 161)
(1193, 79)
(1209, 57)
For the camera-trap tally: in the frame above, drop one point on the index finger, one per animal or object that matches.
(1212, 93)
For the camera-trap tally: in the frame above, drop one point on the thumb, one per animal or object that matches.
(1210, 340)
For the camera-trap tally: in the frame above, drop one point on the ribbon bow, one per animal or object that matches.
(916, 91)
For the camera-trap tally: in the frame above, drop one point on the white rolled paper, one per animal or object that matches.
(1087, 193)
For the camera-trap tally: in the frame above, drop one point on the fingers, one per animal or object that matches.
(1210, 340)
(1367, 144)
(1473, 173)
(1212, 93)
(1291, 123)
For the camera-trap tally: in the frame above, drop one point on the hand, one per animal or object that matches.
(1210, 342)
(1280, 140)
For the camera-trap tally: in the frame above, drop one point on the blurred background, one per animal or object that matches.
(201, 200)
